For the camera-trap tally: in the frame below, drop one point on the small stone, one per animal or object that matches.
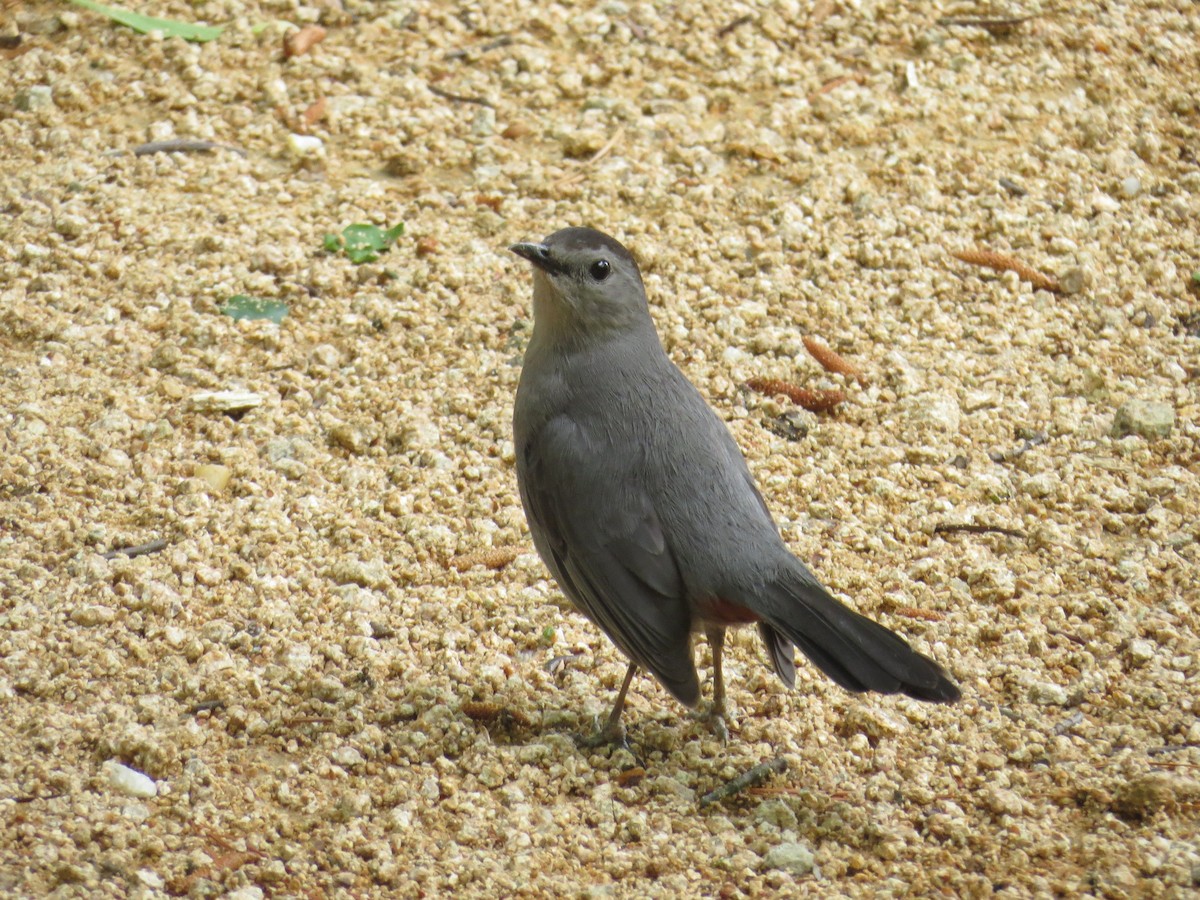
(91, 615)
(347, 757)
(1145, 418)
(484, 123)
(582, 144)
(150, 879)
(1076, 280)
(940, 411)
(349, 438)
(790, 857)
(37, 96)
(777, 813)
(225, 401)
(130, 781)
(1142, 797)
(1140, 651)
(305, 145)
(1004, 802)
(1130, 187)
(70, 226)
(216, 477)
(372, 574)
(1047, 694)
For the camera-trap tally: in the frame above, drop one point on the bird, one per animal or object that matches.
(643, 508)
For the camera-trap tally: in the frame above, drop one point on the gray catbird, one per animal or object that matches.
(641, 504)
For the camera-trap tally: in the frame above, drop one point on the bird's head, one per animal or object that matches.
(584, 281)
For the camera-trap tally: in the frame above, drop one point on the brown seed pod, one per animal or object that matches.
(832, 361)
(1003, 263)
(495, 558)
(296, 43)
(813, 400)
(482, 711)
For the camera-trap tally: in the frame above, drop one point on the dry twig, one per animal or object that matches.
(139, 550)
(968, 528)
(1004, 263)
(856, 77)
(997, 25)
(813, 400)
(459, 98)
(734, 25)
(751, 778)
(832, 361)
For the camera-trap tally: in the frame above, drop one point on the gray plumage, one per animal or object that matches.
(641, 504)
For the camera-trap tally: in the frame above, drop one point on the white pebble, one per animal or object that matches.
(130, 781)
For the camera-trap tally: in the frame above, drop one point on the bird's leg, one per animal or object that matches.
(612, 732)
(716, 713)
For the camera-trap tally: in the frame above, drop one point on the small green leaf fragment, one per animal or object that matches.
(241, 306)
(362, 243)
(145, 24)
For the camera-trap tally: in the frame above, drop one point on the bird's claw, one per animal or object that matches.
(718, 719)
(608, 736)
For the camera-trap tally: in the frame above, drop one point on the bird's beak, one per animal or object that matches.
(538, 254)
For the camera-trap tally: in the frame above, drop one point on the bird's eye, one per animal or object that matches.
(600, 269)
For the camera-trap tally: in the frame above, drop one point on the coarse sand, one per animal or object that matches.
(334, 667)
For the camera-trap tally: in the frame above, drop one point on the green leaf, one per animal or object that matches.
(187, 30)
(241, 306)
(362, 243)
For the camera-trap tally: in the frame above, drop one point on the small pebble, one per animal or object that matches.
(1140, 651)
(130, 781)
(1148, 419)
(225, 401)
(216, 477)
(790, 857)
(1046, 694)
(38, 96)
(305, 145)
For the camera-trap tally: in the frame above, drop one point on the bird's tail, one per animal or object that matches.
(857, 653)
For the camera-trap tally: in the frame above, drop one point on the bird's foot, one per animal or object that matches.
(718, 718)
(611, 735)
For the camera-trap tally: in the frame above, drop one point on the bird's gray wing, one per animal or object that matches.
(607, 548)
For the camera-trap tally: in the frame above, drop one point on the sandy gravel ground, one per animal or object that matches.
(343, 671)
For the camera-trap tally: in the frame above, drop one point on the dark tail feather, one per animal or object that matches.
(779, 648)
(857, 653)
